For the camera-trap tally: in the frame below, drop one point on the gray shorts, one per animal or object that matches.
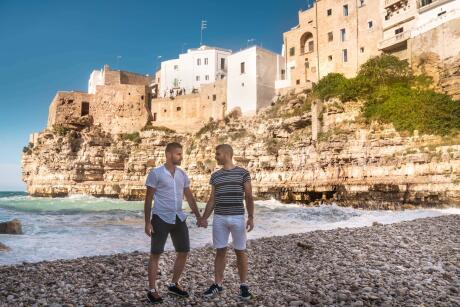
(161, 229)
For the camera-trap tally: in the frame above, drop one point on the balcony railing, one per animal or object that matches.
(391, 2)
(398, 38)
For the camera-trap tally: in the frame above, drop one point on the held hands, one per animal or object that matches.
(250, 224)
(202, 222)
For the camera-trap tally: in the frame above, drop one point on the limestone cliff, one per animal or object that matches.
(299, 153)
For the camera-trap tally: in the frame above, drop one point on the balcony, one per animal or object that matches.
(391, 2)
(394, 41)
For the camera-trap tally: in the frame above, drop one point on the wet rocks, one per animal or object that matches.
(3, 247)
(11, 227)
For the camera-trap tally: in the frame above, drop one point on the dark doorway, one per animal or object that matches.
(84, 108)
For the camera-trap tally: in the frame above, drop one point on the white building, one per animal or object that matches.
(198, 66)
(96, 78)
(251, 78)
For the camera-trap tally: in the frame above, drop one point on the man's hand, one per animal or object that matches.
(250, 224)
(201, 222)
(148, 229)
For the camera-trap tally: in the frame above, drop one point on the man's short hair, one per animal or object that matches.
(225, 148)
(172, 146)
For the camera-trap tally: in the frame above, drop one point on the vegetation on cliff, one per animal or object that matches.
(393, 94)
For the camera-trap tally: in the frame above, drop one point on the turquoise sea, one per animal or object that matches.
(76, 226)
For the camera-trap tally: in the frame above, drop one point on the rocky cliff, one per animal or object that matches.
(296, 152)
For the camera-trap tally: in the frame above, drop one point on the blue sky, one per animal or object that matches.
(47, 46)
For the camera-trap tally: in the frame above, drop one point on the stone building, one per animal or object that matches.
(340, 36)
(118, 101)
(188, 113)
(332, 37)
(252, 73)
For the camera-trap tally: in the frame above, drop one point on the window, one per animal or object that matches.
(178, 108)
(283, 74)
(297, 82)
(84, 108)
(206, 77)
(198, 62)
(370, 24)
(222, 63)
(307, 64)
(197, 78)
(329, 12)
(142, 97)
(242, 67)
(154, 117)
(344, 55)
(176, 67)
(361, 49)
(330, 37)
(242, 84)
(361, 3)
(329, 58)
(311, 46)
(205, 61)
(292, 51)
(214, 97)
(399, 30)
(343, 35)
(345, 10)
(425, 2)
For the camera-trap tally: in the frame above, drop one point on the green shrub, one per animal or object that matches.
(210, 126)
(333, 85)
(149, 126)
(133, 137)
(60, 130)
(410, 109)
(385, 69)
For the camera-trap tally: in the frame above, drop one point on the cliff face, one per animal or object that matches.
(351, 163)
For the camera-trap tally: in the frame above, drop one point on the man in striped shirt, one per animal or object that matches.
(229, 186)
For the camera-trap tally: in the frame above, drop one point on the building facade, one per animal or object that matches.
(203, 65)
(252, 74)
(189, 112)
(331, 36)
(118, 101)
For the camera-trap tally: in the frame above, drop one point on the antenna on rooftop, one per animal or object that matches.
(204, 25)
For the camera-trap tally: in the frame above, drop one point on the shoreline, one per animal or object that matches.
(413, 262)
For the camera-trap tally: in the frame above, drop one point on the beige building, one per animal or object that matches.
(332, 36)
(119, 101)
(188, 113)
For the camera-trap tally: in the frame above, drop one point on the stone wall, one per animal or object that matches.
(188, 113)
(437, 54)
(120, 106)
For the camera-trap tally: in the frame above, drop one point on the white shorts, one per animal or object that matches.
(223, 225)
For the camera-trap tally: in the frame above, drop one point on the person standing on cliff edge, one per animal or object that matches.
(168, 184)
(229, 186)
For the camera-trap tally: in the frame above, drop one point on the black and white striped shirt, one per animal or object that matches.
(229, 190)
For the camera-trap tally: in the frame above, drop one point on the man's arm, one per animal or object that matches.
(192, 203)
(249, 205)
(210, 204)
(147, 210)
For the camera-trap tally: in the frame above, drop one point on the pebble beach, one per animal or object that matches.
(414, 263)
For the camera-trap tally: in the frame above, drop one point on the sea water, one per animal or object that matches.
(76, 226)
